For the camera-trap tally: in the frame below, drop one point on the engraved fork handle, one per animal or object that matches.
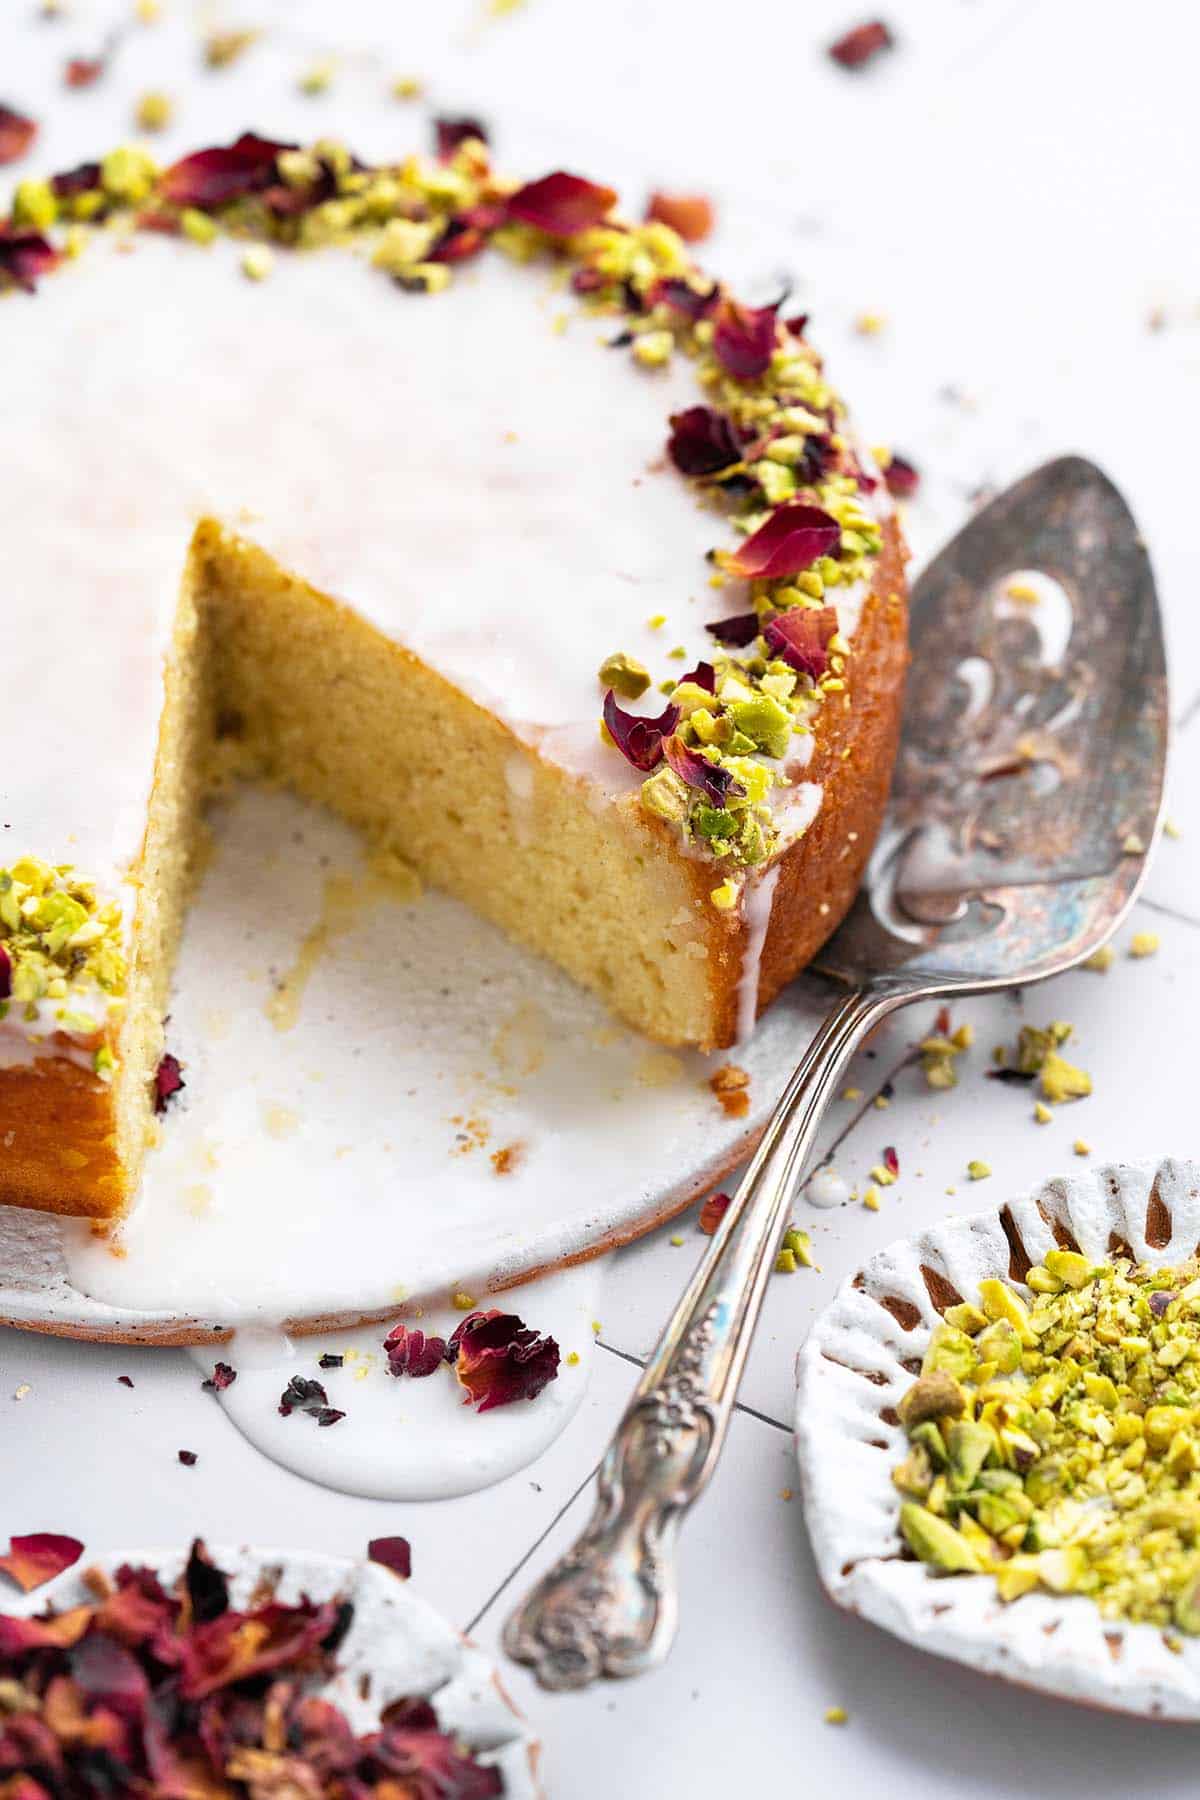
(610, 1605)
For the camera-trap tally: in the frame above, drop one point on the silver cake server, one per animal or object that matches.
(1026, 797)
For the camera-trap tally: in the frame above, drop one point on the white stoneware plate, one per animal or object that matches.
(386, 1102)
(860, 1358)
(396, 1638)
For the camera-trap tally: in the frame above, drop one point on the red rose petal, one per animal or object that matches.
(57, 1633)
(499, 1360)
(682, 297)
(739, 630)
(891, 1161)
(702, 441)
(713, 1211)
(703, 676)
(410, 1352)
(16, 134)
(80, 180)
(639, 740)
(561, 204)
(39, 1557)
(223, 1376)
(25, 256)
(801, 637)
(791, 540)
(902, 477)
(210, 178)
(710, 779)
(450, 133)
(744, 339)
(82, 71)
(861, 44)
(691, 215)
(5, 972)
(168, 1081)
(426, 1763)
(394, 1553)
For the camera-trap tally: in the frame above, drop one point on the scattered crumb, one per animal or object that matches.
(187, 1458)
(257, 262)
(1143, 943)
(22, 1391)
(1133, 845)
(871, 1199)
(507, 1158)
(836, 1715)
(153, 111)
(677, 1240)
(785, 1262)
(1081, 1148)
(572, 1358)
(978, 1171)
(407, 87)
(316, 78)
(869, 324)
(1101, 960)
(1041, 1112)
(462, 1302)
(787, 1493)
(731, 1085)
(221, 48)
(852, 1093)
(595, 1328)
(1171, 829)
(881, 1102)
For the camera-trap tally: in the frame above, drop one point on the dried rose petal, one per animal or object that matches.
(713, 1211)
(302, 1394)
(188, 1458)
(797, 325)
(691, 215)
(740, 630)
(394, 1553)
(57, 1633)
(330, 1360)
(450, 133)
(210, 178)
(25, 256)
(715, 783)
(801, 637)
(861, 44)
(640, 741)
(891, 1161)
(902, 477)
(791, 539)
(82, 71)
(16, 134)
(80, 180)
(702, 441)
(168, 1080)
(1160, 1300)
(744, 339)
(125, 1380)
(105, 1670)
(410, 1352)
(223, 1376)
(692, 303)
(207, 1586)
(38, 1557)
(702, 676)
(428, 1764)
(499, 1359)
(561, 204)
(458, 243)
(5, 972)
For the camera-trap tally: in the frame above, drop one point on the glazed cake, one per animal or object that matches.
(497, 526)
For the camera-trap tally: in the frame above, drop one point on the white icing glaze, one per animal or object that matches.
(405, 1439)
(827, 1188)
(757, 897)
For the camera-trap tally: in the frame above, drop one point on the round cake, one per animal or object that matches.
(469, 507)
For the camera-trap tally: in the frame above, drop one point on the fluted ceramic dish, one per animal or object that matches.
(395, 1638)
(858, 1362)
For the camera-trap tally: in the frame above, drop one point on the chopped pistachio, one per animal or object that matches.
(652, 349)
(977, 1170)
(1101, 960)
(407, 87)
(1143, 943)
(1061, 1080)
(34, 205)
(257, 262)
(197, 225)
(1041, 1112)
(625, 675)
(154, 111)
(936, 1541)
(785, 1262)
(836, 1715)
(933, 1396)
(317, 78)
(221, 48)
(725, 897)
(800, 1245)
(871, 1199)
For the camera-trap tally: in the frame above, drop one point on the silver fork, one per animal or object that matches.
(1026, 796)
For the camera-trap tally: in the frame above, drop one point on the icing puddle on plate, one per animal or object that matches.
(404, 1438)
(387, 1101)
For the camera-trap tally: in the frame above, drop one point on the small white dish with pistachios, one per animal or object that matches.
(998, 1429)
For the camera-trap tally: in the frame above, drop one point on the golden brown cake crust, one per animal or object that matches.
(58, 1131)
(824, 867)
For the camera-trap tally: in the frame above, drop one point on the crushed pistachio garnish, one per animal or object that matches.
(625, 675)
(939, 1053)
(63, 965)
(221, 48)
(1055, 1443)
(257, 262)
(1101, 960)
(977, 1170)
(154, 111)
(1038, 1054)
(1144, 943)
(836, 1715)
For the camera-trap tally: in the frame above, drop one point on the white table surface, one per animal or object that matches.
(1014, 190)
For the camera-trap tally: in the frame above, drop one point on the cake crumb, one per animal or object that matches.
(507, 1158)
(731, 1085)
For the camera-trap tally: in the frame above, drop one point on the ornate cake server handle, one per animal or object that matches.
(610, 1605)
